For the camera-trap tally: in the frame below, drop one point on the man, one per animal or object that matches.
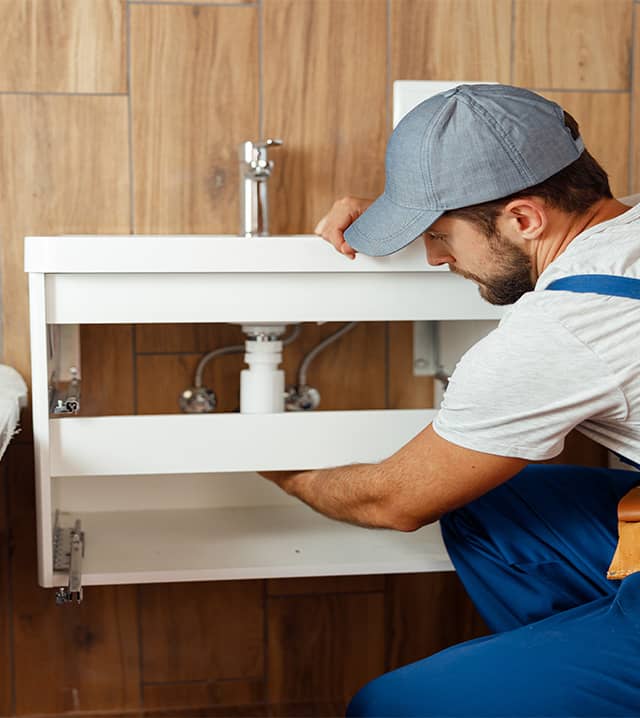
(498, 183)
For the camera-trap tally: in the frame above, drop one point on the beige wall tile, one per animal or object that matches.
(604, 124)
(451, 40)
(325, 97)
(56, 178)
(194, 85)
(573, 44)
(63, 46)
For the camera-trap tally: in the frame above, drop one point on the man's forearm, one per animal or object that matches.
(358, 494)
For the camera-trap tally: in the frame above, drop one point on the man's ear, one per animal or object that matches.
(527, 216)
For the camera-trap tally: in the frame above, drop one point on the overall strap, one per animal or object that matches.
(609, 284)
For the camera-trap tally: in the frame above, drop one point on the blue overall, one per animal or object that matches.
(533, 555)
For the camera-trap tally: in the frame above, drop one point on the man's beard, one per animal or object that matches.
(511, 277)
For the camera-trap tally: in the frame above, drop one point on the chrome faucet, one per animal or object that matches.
(255, 170)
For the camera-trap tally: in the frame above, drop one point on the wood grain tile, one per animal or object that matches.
(54, 179)
(349, 373)
(602, 116)
(203, 693)
(324, 648)
(67, 658)
(173, 338)
(635, 140)
(573, 44)
(201, 631)
(581, 451)
(324, 584)
(194, 86)
(451, 40)
(63, 46)
(358, 383)
(315, 709)
(325, 97)
(161, 379)
(6, 660)
(107, 363)
(406, 391)
(427, 613)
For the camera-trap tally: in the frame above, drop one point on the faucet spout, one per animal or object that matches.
(255, 170)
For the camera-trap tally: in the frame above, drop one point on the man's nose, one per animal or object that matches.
(436, 254)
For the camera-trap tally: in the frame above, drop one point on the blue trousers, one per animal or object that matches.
(532, 555)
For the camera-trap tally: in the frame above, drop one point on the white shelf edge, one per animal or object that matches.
(251, 543)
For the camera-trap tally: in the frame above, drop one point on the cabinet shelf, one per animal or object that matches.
(244, 543)
(195, 443)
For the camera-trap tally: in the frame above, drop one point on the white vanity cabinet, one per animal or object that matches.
(176, 497)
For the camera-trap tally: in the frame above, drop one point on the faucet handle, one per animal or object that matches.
(264, 144)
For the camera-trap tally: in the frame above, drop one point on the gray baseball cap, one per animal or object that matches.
(471, 144)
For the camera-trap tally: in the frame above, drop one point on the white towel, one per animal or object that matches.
(13, 394)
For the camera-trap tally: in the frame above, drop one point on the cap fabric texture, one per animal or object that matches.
(470, 144)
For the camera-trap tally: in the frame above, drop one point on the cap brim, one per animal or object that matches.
(385, 227)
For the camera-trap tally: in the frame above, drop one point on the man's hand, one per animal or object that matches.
(344, 212)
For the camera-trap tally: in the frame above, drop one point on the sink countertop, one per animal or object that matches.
(108, 254)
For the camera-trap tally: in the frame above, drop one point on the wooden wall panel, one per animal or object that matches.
(427, 613)
(325, 97)
(406, 391)
(635, 129)
(63, 46)
(451, 40)
(107, 370)
(181, 338)
(6, 657)
(325, 584)
(202, 631)
(161, 379)
(66, 657)
(604, 124)
(194, 86)
(195, 694)
(350, 372)
(572, 44)
(55, 179)
(324, 648)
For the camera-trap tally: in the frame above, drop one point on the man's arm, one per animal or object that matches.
(425, 479)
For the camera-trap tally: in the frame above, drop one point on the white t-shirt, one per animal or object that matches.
(558, 360)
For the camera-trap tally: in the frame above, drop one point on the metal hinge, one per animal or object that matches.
(68, 552)
(65, 400)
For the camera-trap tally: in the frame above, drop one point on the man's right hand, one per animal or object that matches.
(344, 212)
